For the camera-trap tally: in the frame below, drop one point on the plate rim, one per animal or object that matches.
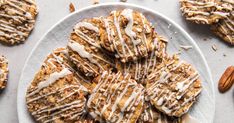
(116, 4)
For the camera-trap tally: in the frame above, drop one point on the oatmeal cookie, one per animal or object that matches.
(3, 72)
(152, 115)
(116, 98)
(173, 87)
(56, 93)
(128, 34)
(17, 19)
(141, 68)
(85, 50)
(225, 27)
(205, 11)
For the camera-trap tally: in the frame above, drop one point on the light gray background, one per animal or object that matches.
(51, 11)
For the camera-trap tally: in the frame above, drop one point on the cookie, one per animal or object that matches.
(225, 28)
(17, 19)
(152, 115)
(127, 34)
(173, 87)
(85, 50)
(141, 68)
(56, 93)
(116, 99)
(3, 72)
(87, 118)
(205, 11)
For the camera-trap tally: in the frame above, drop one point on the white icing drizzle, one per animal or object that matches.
(127, 13)
(48, 109)
(181, 86)
(80, 49)
(126, 52)
(16, 12)
(52, 78)
(196, 12)
(109, 33)
(193, 10)
(77, 104)
(111, 84)
(86, 38)
(122, 42)
(142, 67)
(152, 115)
(197, 18)
(221, 14)
(225, 27)
(51, 93)
(116, 23)
(163, 97)
(87, 25)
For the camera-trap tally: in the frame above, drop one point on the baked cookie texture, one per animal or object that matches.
(116, 98)
(141, 68)
(3, 72)
(173, 87)
(17, 19)
(205, 11)
(151, 115)
(56, 93)
(225, 27)
(85, 50)
(127, 34)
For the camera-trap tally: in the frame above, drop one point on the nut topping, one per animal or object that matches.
(227, 79)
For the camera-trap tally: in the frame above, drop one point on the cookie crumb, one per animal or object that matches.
(169, 25)
(95, 1)
(205, 39)
(123, 0)
(71, 8)
(179, 52)
(214, 47)
(224, 55)
(186, 47)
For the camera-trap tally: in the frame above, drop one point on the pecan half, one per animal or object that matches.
(227, 79)
(71, 7)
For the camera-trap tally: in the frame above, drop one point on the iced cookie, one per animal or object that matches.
(3, 72)
(225, 28)
(152, 115)
(116, 98)
(85, 50)
(173, 87)
(205, 11)
(56, 93)
(128, 34)
(141, 68)
(17, 19)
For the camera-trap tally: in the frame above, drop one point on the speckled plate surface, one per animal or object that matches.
(58, 35)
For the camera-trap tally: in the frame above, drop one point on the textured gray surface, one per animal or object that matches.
(53, 10)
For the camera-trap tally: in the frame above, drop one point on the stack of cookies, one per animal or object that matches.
(217, 13)
(115, 69)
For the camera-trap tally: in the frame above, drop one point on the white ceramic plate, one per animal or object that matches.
(57, 37)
